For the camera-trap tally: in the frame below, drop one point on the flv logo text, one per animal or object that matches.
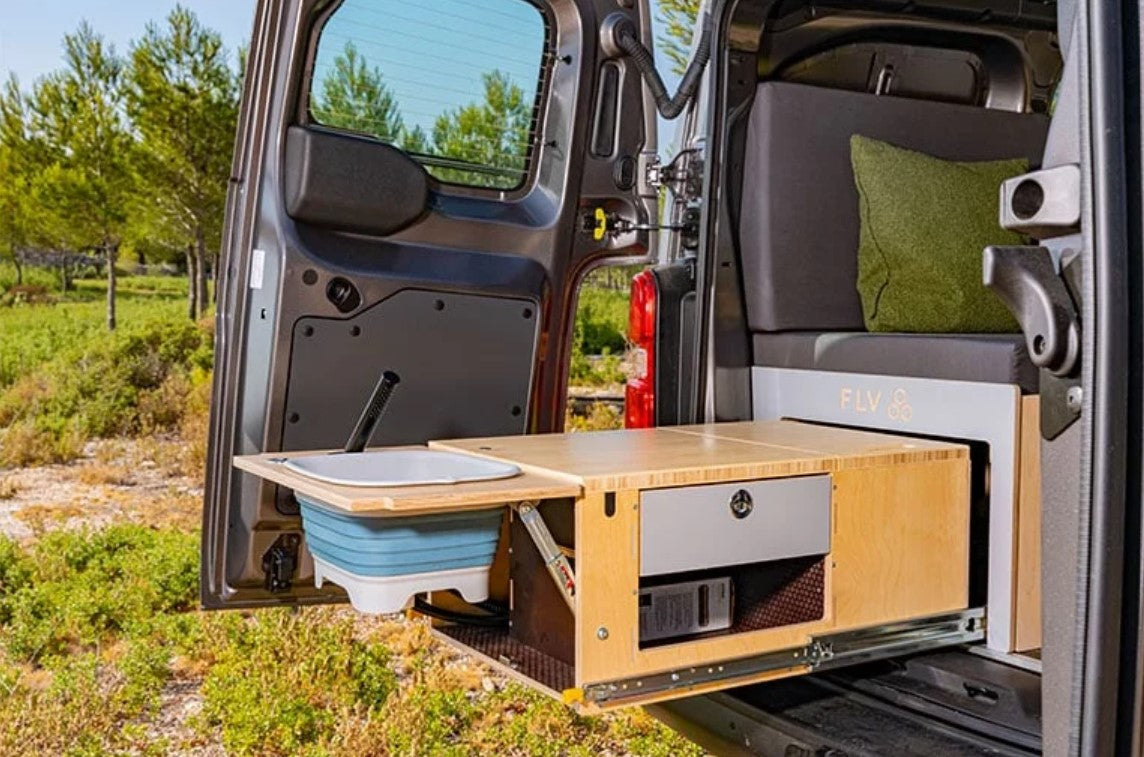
(896, 407)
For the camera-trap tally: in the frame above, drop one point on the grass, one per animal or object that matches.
(98, 631)
(96, 627)
(35, 334)
(64, 379)
(599, 338)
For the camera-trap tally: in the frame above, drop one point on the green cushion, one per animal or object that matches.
(925, 222)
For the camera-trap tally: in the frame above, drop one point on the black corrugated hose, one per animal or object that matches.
(498, 617)
(627, 40)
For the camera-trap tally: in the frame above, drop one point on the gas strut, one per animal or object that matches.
(373, 411)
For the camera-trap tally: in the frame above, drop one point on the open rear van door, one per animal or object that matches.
(415, 188)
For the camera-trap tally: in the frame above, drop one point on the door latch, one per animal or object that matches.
(601, 224)
(280, 562)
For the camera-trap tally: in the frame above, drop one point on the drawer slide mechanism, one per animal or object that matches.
(822, 653)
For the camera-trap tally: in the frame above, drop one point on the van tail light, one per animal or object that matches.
(639, 394)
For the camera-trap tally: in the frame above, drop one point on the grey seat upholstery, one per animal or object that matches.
(799, 227)
(991, 358)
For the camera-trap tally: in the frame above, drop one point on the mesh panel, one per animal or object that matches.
(780, 594)
(496, 644)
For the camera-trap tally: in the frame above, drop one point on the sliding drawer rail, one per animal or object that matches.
(822, 653)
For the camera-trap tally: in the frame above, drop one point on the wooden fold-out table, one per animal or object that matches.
(837, 544)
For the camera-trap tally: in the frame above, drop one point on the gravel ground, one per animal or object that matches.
(114, 481)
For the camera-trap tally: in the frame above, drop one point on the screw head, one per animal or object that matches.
(1073, 398)
(601, 633)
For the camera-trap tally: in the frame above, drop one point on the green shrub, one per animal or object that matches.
(309, 664)
(15, 571)
(602, 319)
(78, 589)
(37, 333)
(88, 707)
(34, 277)
(430, 721)
(136, 379)
(599, 336)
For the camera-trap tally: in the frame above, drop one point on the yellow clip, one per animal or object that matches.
(572, 696)
(601, 228)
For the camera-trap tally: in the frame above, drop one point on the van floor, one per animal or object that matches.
(948, 703)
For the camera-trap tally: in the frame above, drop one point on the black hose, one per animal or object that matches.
(463, 618)
(669, 107)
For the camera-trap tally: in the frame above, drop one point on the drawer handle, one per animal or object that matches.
(742, 504)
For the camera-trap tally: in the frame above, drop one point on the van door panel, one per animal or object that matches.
(333, 271)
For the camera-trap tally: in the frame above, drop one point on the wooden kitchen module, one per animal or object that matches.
(822, 531)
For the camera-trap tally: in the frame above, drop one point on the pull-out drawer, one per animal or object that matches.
(699, 527)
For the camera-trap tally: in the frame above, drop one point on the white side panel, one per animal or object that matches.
(952, 409)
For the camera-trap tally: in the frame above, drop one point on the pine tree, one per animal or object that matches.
(183, 100)
(678, 16)
(77, 132)
(491, 133)
(354, 97)
(13, 210)
(15, 178)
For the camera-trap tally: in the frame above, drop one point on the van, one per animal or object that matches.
(422, 189)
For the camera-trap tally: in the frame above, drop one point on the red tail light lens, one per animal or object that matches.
(639, 395)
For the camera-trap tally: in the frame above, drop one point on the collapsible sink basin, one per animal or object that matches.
(382, 562)
(399, 467)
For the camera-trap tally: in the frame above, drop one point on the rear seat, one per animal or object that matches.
(799, 230)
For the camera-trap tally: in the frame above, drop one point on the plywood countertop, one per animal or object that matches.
(570, 465)
(408, 500)
(686, 455)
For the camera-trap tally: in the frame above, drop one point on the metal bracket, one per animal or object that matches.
(1043, 203)
(823, 652)
(279, 563)
(683, 175)
(1046, 303)
(1028, 283)
(558, 566)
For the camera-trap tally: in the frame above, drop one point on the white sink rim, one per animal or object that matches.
(399, 467)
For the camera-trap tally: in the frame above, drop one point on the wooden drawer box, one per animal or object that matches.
(848, 536)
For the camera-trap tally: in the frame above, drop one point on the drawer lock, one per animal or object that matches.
(742, 504)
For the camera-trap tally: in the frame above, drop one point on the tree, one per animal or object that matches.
(354, 97)
(678, 17)
(14, 209)
(492, 133)
(183, 100)
(77, 132)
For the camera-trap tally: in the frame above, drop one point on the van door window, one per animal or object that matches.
(455, 83)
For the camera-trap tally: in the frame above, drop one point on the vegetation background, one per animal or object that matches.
(113, 174)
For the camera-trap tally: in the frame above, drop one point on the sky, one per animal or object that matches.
(501, 35)
(31, 33)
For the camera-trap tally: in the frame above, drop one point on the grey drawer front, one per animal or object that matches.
(695, 527)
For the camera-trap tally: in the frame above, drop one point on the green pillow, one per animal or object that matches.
(925, 222)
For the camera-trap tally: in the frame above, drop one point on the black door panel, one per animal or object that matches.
(464, 361)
